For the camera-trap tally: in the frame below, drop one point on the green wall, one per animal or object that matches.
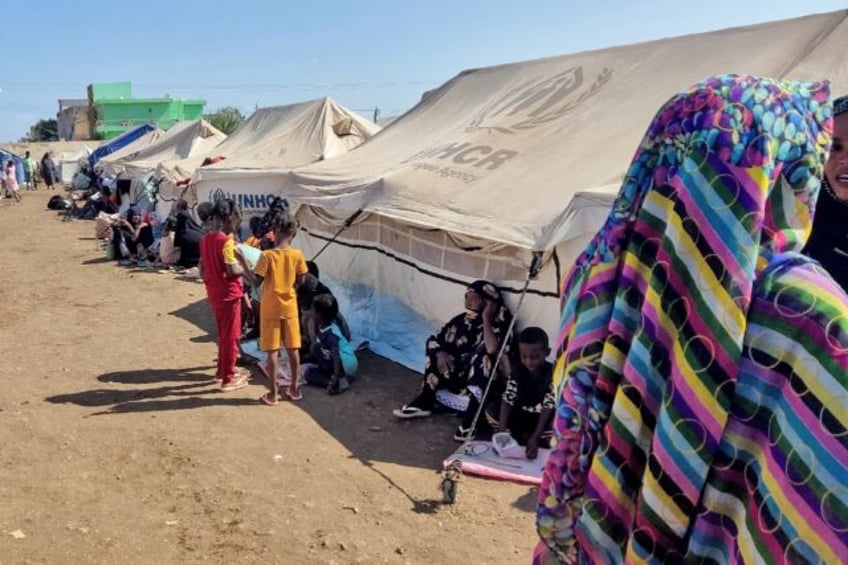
(118, 116)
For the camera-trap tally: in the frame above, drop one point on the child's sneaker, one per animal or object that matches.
(144, 264)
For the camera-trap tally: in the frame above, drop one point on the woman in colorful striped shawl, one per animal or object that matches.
(703, 362)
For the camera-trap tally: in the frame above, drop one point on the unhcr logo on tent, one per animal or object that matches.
(538, 102)
(248, 202)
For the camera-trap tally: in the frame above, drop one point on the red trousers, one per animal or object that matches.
(228, 322)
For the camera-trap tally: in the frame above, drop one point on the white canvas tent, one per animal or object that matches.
(271, 141)
(111, 165)
(184, 140)
(504, 161)
(69, 163)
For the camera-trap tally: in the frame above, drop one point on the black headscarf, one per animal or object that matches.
(828, 243)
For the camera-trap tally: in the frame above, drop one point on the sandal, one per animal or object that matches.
(293, 397)
(407, 412)
(240, 381)
(267, 401)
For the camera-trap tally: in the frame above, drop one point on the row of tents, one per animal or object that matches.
(497, 168)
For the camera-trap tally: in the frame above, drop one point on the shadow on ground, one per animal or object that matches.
(200, 314)
(192, 388)
(361, 419)
(99, 261)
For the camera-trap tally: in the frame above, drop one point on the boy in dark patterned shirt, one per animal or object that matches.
(528, 403)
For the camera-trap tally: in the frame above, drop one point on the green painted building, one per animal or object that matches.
(113, 110)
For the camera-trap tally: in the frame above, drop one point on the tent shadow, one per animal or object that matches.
(362, 420)
(528, 501)
(98, 261)
(200, 314)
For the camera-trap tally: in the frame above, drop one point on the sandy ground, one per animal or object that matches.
(116, 447)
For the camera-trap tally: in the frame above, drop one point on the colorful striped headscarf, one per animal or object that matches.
(703, 361)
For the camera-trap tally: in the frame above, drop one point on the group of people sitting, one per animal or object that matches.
(134, 239)
(474, 367)
(298, 322)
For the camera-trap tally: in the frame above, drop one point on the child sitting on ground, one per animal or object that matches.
(335, 360)
(312, 287)
(528, 403)
(279, 271)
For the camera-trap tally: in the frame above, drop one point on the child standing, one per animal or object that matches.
(29, 172)
(222, 276)
(528, 402)
(336, 360)
(10, 180)
(279, 271)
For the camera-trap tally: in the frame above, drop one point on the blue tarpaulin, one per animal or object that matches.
(19, 164)
(119, 142)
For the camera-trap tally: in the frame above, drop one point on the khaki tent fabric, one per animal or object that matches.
(111, 164)
(514, 153)
(281, 138)
(183, 140)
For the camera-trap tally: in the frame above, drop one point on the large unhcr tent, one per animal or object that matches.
(500, 163)
(271, 141)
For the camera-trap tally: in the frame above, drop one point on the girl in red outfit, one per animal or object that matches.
(222, 276)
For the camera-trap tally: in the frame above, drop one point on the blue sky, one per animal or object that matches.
(363, 53)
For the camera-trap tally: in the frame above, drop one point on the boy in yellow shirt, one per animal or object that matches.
(279, 271)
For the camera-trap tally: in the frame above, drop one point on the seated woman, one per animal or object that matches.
(187, 236)
(169, 254)
(828, 242)
(132, 239)
(464, 350)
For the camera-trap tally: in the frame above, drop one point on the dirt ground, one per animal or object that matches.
(116, 447)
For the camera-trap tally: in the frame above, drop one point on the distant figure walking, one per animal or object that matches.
(48, 170)
(10, 181)
(30, 178)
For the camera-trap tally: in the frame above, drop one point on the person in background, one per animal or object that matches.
(205, 213)
(10, 180)
(48, 170)
(222, 276)
(335, 361)
(702, 369)
(828, 243)
(30, 179)
(187, 235)
(169, 254)
(133, 239)
(312, 287)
